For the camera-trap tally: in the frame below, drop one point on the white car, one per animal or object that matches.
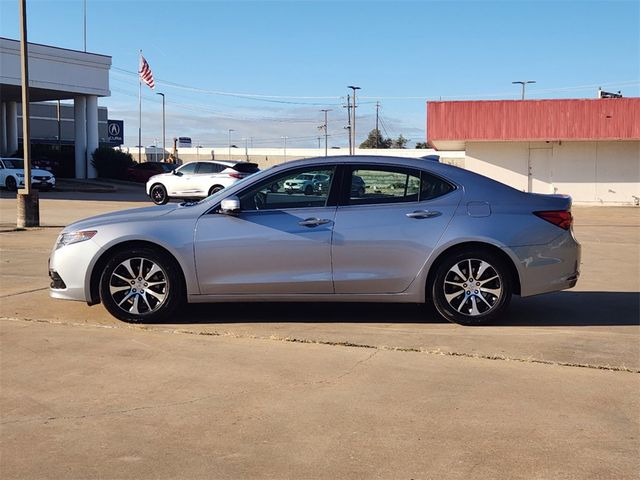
(197, 180)
(12, 175)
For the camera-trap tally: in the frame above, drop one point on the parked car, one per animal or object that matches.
(430, 232)
(141, 172)
(305, 183)
(12, 175)
(197, 180)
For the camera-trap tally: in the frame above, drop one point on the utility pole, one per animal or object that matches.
(348, 127)
(326, 133)
(353, 125)
(28, 206)
(285, 147)
(377, 130)
(523, 83)
(164, 146)
(319, 138)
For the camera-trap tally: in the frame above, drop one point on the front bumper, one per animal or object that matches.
(39, 183)
(70, 271)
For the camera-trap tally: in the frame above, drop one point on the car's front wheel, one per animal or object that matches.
(472, 287)
(159, 194)
(11, 184)
(141, 284)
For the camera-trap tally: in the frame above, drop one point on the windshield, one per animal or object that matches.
(17, 163)
(304, 177)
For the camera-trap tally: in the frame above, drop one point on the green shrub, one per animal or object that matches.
(111, 163)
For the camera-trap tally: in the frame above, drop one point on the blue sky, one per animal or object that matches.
(295, 58)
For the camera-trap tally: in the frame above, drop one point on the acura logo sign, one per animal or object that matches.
(114, 130)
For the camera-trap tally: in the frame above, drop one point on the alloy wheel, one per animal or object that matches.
(139, 286)
(473, 287)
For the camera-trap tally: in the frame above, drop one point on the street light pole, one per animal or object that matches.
(285, 147)
(230, 130)
(348, 127)
(523, 83)
(353, 124)
(326, 133)
(28, 206)
(164, 146)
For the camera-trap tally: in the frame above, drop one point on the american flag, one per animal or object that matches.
(145, 73)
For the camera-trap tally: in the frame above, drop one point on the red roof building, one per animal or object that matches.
(588, 148)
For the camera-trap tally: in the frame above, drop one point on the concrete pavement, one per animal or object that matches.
(321, 391)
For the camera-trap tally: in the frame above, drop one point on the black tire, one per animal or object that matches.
(461, 298)
(158, 194)
(308, 190)
(215, 189)
(151, 294)
(11, 184)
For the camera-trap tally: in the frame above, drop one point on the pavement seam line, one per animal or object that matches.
(22, 293)
(436, 351)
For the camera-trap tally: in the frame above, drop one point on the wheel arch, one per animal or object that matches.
(473, 245)
(98, 267)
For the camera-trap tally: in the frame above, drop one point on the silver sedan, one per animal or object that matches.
(416, 231)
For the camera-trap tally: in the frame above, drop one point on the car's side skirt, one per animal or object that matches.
(327, 297)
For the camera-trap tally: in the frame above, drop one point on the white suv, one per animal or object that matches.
(197, 180)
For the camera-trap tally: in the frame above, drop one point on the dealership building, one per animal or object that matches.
(586, 148)
(55, 74)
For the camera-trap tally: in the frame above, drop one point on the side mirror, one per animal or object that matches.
(176, 172)
(230, 205)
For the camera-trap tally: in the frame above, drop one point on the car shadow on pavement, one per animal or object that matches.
(556, 309)
(570, 308)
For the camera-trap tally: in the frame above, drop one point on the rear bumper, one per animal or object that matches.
(549, 268)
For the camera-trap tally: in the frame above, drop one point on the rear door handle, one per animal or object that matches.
(424, 214)
(313, 222)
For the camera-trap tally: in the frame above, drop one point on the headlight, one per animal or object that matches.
(74, 237)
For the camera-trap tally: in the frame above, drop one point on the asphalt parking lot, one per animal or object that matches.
(319, 391)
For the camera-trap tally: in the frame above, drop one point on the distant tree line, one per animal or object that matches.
(376, 140)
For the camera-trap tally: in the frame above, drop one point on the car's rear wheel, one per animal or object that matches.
(11, 184)
(215, 189)
(159, 194)
(472, 287)
(141, 284)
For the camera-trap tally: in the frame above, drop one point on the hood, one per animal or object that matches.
(131, 215)
(160, 175)
(39, 172)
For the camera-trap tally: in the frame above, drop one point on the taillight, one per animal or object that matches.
(560, 218)
(236, 175)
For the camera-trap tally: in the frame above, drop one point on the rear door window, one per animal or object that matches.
(381, 184)
(204, 168)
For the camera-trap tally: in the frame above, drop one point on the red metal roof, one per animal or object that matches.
(523, 120)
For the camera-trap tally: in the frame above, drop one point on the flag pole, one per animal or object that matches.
(139, 110)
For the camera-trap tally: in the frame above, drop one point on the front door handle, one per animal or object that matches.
(424, 214)
(313, 222)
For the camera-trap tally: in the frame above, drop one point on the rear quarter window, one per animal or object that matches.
(433, 187)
